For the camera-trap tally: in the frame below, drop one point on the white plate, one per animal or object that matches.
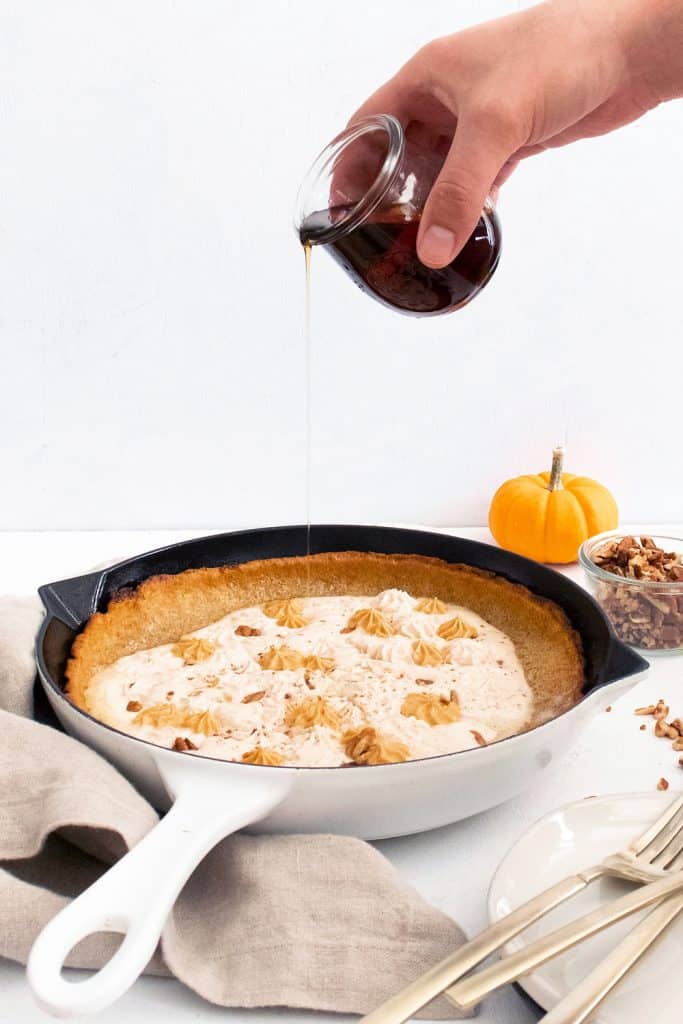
(562, 843)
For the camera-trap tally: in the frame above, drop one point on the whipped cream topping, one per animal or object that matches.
(339, 685)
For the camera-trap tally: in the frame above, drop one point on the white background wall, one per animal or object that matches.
(151, 287)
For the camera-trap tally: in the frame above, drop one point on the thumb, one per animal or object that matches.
(457, 196)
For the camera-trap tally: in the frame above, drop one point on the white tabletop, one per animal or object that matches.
(451, 867)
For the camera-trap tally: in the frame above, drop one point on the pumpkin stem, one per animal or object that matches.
(555, 482)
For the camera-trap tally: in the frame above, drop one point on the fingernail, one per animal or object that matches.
(437, 245)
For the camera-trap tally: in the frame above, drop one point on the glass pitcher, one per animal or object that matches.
(362, 200)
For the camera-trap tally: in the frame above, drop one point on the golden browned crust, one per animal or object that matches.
(164, 608)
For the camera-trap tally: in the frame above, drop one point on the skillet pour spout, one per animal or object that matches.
(209, 798)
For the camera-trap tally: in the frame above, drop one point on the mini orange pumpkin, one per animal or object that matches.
(548, 516)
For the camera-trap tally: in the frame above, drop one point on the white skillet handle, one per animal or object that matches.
(136, 895)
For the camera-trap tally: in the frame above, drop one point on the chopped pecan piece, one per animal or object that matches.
(367, 746)
(664, 730)
(251, 697)
(661, 710)
(645, 617)
(182, 743)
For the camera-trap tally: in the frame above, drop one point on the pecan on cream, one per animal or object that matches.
(249, 698)
(182, 743)
(247, 631)
(367, 746)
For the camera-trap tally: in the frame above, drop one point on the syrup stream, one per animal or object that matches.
(307, 400)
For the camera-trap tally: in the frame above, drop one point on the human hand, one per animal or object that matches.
(501, 91)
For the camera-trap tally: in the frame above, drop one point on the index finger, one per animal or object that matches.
(390, 98)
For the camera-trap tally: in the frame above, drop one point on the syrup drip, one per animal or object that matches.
(307, 400)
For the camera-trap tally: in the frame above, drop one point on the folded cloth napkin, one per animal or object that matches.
(315, 921)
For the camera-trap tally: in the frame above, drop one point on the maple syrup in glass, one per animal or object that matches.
(380, 256)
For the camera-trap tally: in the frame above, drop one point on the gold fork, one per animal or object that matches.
(656, 854)
(579, 1004)
(638, 863)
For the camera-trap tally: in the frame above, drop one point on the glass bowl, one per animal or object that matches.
(647, 614)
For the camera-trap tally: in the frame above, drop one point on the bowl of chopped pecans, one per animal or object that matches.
(638, 581)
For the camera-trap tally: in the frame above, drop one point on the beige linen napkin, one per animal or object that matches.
(317, 922)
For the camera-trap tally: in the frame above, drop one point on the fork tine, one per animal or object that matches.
(642, 842)
(661, 841)
(666, 858)
(677, 863)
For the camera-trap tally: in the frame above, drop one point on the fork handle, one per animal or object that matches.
(590, 992)
(427, 987)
